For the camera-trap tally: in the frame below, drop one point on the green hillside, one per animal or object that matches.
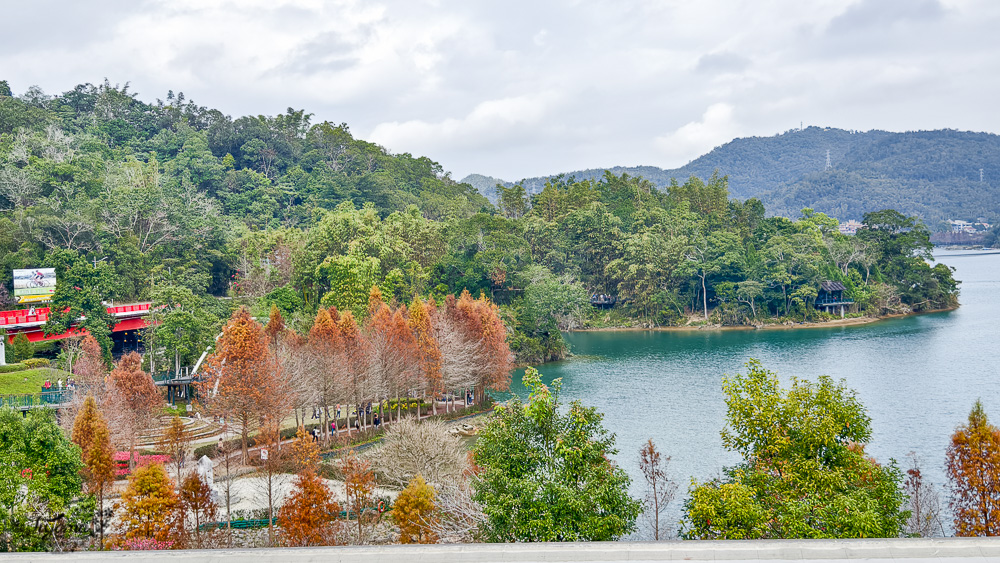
(933, 174)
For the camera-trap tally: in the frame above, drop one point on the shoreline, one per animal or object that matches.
(853, 321)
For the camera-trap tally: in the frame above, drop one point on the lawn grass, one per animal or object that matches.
(15, 384)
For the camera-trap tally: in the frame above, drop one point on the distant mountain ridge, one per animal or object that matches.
(933, 174)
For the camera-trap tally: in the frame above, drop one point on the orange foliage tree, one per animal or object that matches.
(309, 516)
(275, 328)
(195, 499)
(973, 465)
(133, 399)
(305, 453)
(483, 320)
(84, 423)
(359, 485)
(325, 350)
(359, 384)
(89, 373)
(175, 441)
(428, 352)
(148, 504)
(414, 512)
(392, 347)
(473, 345)
(91, 433)
(243, 384)
(285, 346)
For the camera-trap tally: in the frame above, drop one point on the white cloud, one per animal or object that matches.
(717, 126)
(524, 87)
(490, 123)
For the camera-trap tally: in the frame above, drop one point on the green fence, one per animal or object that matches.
(33, 400)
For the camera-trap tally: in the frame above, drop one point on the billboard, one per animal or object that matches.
(34, 284)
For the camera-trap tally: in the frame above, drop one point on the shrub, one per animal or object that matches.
(10, 368)
(36, 362)
(23, 349)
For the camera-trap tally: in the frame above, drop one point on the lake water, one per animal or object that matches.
(917, 376)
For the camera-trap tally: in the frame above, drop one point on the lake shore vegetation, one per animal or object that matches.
(201, 213)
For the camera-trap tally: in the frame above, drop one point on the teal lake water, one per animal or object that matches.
(917, 376)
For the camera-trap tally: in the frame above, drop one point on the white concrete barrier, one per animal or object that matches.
(828, 551)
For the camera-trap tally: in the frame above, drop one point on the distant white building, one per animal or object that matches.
(850, 227)
(959, 226)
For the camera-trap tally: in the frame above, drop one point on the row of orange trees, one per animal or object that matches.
(259, 375)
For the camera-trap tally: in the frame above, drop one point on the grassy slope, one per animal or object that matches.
(14, 383)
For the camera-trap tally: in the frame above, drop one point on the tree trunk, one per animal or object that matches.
(270, 511)
(704, 295)
(131, 455)
(656, 514)
(100, 506)
(324, 417)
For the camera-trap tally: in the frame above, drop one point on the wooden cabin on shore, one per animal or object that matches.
(831, 296)
(603, 301)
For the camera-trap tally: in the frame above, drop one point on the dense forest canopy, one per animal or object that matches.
(183, 205)
(932, 174)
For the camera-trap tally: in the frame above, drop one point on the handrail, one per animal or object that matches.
(41, 314)
(40, 399)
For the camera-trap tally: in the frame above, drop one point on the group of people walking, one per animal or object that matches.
(366, 410)
(48, 386)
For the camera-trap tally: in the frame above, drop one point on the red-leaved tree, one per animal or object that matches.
(392, 350)
(428, 352)
(133, 401)
(324, 354)
(242, 382)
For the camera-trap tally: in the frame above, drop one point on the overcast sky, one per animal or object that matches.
(523, 88)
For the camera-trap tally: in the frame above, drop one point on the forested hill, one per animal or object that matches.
(933, 174)
(180, 204)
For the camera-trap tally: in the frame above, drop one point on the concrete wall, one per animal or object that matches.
(966, 549)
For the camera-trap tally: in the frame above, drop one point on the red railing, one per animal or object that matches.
(41, 314)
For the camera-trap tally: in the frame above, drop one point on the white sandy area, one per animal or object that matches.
(250, 492)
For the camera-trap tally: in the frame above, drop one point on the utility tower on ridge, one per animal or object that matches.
(828, 165)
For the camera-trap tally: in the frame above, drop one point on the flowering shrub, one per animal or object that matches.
(121, 461)
(141, 544)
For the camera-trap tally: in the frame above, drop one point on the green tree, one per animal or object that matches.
(710, 255)
(548, 476)
(349, 278)
(180, 326)
(81, 291)
(39, 480)
(23, 349)
(8, 348)
(805, 473)
(513, 201)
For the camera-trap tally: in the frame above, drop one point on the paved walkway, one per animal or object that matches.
(911, 550)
